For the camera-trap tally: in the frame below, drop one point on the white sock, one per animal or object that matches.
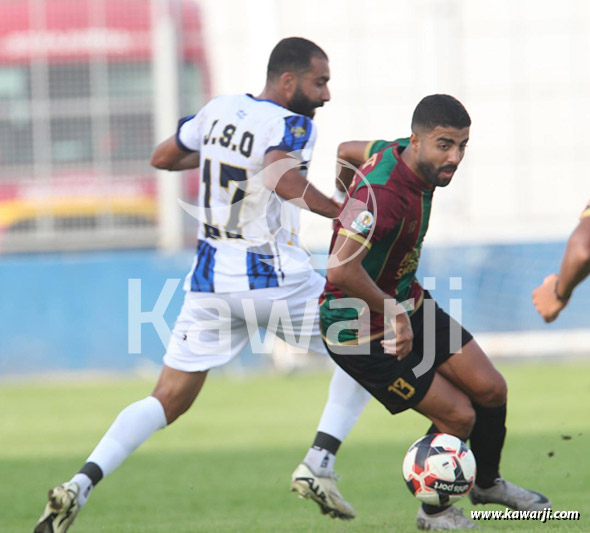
(320, 461)
(346, 401)
(134, 425)
(85, 484)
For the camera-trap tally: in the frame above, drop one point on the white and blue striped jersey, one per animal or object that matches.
(248, 236)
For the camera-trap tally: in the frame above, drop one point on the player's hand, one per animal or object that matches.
(401, 345)
(546, 301)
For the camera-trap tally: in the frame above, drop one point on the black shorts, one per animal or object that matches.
(400, 385)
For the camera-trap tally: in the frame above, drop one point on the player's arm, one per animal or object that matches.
(575, 265)
(353, 153)
(345, 271)
(281, 174)
(181, 151)
(169, 156)
(553, 295)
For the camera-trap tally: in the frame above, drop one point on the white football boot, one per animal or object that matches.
(322, 490)
(510, 495)
(61, 509)
(450, 518)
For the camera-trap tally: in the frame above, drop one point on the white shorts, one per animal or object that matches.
(213, 328)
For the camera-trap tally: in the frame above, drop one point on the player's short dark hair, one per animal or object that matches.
(292, 55)
(440, 110)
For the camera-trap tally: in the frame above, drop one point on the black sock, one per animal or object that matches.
(487, 441)
(93, 471)
(433, 509)
(432, 430)
(326, 442)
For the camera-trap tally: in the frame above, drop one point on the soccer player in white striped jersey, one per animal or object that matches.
(253, 154)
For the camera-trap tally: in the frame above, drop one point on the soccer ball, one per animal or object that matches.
(439, 469)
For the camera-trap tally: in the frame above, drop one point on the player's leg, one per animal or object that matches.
(462, 363)
(299, 325)
(409, 383)
(173, 395)
(346, 401)
(314, 477)
(396, 386)
(473, 372)
(180, 381)
(450, 411)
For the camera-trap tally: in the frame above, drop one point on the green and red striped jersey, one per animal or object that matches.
(387, 211)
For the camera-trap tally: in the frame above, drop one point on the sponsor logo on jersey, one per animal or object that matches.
(363, 222)
(409, 263)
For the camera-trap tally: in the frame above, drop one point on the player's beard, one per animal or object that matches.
(301, 104)
(432, 174)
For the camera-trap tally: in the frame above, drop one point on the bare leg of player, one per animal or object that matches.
(472, 372)
(450, 411)
(174, 393)
(448, 408)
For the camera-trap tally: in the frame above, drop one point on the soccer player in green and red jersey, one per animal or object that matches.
(386, 331)
(388, 215)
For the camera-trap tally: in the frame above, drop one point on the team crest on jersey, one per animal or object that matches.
(298, 131)
(363, 222)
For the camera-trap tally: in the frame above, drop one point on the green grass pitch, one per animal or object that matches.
(225, 465)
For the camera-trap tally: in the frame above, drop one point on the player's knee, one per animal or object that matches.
(465, 421)
(495, 392)
(174, 404)
(461, 420)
